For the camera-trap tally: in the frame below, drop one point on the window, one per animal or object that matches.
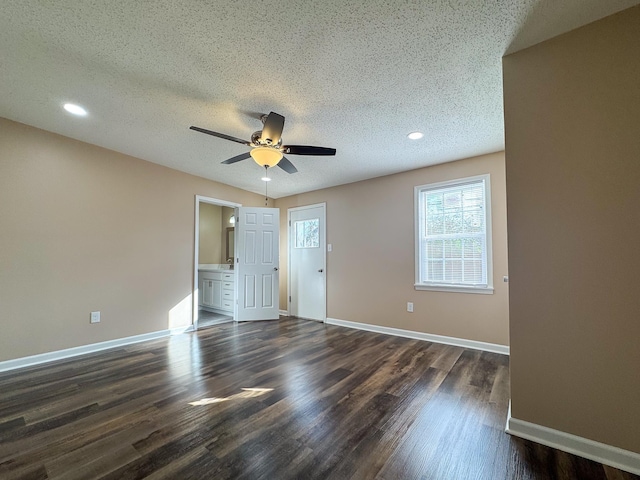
(453, 236)
(307, 233)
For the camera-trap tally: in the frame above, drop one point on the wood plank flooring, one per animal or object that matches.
(207, 319)
(288, 399)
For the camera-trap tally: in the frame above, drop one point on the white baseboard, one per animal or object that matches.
(583, 447)
(179, 330)
(91, 348)
(216, 310)
(284, 313)
(398, 332)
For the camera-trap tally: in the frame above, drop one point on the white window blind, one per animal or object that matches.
(452, 234)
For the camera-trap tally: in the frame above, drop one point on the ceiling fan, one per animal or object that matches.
(266, 145)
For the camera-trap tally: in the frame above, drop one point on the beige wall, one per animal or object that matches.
(572, 113)
(370, 272)
(214, 221)
(210, 233)
(83, 228)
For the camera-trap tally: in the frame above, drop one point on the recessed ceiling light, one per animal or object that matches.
(75, 109)
(265, 179)
(415, 135)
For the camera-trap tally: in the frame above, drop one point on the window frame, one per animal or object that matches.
(456, 287)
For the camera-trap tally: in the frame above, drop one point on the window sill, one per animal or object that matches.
(454, 289)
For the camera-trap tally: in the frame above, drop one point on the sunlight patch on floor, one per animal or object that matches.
(246, 393)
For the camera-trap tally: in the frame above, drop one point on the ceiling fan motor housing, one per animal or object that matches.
(266, 145)
(257, 140)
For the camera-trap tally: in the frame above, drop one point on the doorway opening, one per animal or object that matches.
(214, 274)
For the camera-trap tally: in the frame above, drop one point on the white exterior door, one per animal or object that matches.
(307, 262)
(257, 234)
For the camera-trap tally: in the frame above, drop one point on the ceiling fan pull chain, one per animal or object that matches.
(266, 186)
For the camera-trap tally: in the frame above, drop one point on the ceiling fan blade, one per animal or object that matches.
(286, 165)
(272, 130)
(220, 135)
(307, 150)
(237, 158)
(252, 114)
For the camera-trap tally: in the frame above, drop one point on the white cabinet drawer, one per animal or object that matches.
(227, 285)
(227, 304)
(228, 277)
(227, 295)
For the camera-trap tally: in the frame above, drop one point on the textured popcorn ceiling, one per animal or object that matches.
(353, 75)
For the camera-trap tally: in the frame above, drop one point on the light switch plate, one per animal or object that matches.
(95, 317)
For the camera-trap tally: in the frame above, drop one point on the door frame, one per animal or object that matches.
(324, 256)
(196, 252)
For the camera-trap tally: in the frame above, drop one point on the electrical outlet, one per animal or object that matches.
(410, 307)
(329, 247)
(95, 317)
(505, 279)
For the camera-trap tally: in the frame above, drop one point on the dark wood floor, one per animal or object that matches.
(208, 319)
(276, 400)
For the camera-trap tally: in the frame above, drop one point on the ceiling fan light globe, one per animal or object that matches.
(266, 156)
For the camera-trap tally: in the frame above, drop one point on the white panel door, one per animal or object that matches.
(307, 268)
(257, 232)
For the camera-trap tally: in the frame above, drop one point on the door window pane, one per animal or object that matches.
(307, 233)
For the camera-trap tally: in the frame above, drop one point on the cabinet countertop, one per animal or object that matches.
(214, 268)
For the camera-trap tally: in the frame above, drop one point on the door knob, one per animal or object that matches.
(321, 270)
(275, 268)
